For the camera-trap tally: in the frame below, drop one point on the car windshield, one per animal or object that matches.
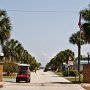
(22, 69)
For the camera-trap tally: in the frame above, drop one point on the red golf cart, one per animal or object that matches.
(23, 73)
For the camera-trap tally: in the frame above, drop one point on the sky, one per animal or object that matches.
(43, 27)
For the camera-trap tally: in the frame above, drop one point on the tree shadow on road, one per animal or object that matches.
(14, 81)
(63, 83)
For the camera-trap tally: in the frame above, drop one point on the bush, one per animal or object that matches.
(9, 67)
(81, 72)
(64, 73)
(73, 73)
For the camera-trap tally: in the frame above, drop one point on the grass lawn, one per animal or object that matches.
(74, 80)
(59, 74)
(11, 77)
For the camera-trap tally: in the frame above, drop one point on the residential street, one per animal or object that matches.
(41, 81)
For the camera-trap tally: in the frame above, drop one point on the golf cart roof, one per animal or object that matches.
(23, 65)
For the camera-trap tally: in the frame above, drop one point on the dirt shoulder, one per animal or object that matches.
(86, 86)
(1, 84)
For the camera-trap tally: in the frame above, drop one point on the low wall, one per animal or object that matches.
(86, 73)
(1, 72)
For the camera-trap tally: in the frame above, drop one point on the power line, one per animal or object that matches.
(42, 11)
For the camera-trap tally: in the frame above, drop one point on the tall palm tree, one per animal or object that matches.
(5, 27)
(75, 38)
(60, 57)
(68, 55)
(85, 14)
(79, 40)
(9, 48)
(26, 57)
(53, 63)
(19, 52)
(64, 56)
(56, 63)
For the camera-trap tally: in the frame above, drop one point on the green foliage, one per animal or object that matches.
(5, 27)
(76, 39)
(74, 79)
(73, 73)
(56, 63)
(85, 13)
(34, 65)
(10, 77)
(64, 73)
(14, 51)
(81, 72)
(9, 67)
(86, 29)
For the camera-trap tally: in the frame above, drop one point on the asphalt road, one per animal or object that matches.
(41, 81)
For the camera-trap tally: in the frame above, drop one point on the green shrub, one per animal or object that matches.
(73, 73)
(81, 72)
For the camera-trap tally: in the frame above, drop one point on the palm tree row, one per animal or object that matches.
(56, 63)
(13, 50)
(79, 38)
(83, 36)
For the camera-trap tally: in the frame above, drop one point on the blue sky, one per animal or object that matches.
(44, 26)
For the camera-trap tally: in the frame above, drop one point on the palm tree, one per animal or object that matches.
(19, 52)
(26, 57)
(68, 55)
(5, 27)
(53, 63)
(85, 14)
(60, 57)
(64, 56)
(9, 49)
(56, 63)
(79, 40)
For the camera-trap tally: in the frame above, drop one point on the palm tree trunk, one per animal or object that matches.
(79, 54)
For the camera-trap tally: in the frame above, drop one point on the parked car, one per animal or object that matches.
(23, 73)
(45, 70)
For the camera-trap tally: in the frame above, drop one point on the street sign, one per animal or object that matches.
(70, 62)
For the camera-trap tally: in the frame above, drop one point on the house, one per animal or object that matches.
(81, 64)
